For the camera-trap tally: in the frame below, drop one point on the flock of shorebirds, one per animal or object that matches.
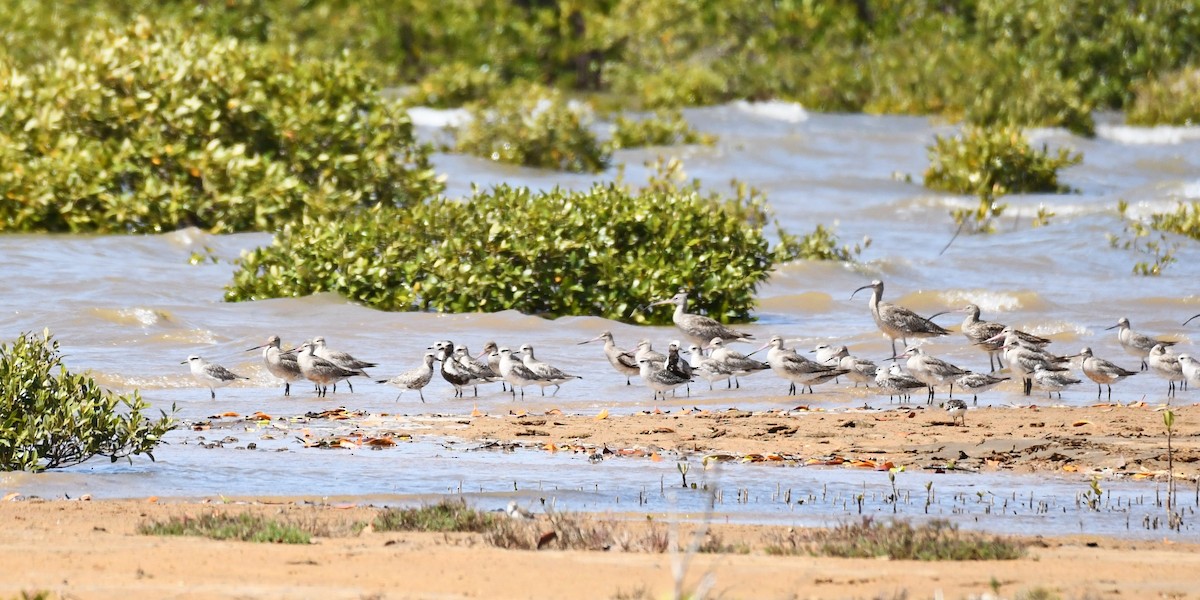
(1012, 354)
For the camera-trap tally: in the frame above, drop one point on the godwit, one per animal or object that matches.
(341, 359)
(320, 371)
(1136, 344)
(734, 361)
(699, 329)
(210, 375)
(978, 383)
(957, 410)
(796, 369)
(279, 363)
(1102, 372)
(1053, 381)
(978, 332)
(896, 382)
(546, 374)
(416, 379)
(622, 361)
(930, 370)
(897, 322)
(515, 372)
(1166, 364)
(659, 379)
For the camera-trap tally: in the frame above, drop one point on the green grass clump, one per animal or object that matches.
(446, 515)
(604, 251)
(150, 127)
(51, 418)
(1184, 221)
(898, 540)
(243, 527)
(1171, 99)
(665, 128)
(534, 126)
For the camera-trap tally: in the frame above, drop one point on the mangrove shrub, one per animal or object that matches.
(993, 161)
(603, 251)
(1171, 99)
(534, 126)
(664, 128)
(50, 417)
(149, 129)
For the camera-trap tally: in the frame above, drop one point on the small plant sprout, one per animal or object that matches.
(1169, 422)
(683, 467)
(895, 492)
(1093, 495)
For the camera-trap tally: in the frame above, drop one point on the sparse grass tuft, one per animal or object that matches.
(244, 527)
(936, 540)
(569, 532)
(446, 515)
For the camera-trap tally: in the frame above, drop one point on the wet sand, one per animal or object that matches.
(1111, 440)
(83, 549)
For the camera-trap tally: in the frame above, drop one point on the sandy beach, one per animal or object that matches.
(91, 549)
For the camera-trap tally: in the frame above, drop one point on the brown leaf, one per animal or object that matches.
(546, 538)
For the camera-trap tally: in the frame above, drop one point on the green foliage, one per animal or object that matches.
(1171, 99)
(1137, 237)
(898, 540)
(821, 244)
(535, 126)
(993, 161)
(454, 85)
(446, 515)
(1021, 62)
(1184, 221)
(665, 128)
(603, 251)
(51, 418)
(220, 526)
(152, 128)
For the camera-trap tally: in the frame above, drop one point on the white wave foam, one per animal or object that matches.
(1191, 191)
(423, 116)
(1159, 134)
(789, 112)
(988, 301)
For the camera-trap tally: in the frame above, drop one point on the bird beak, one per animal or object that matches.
(859, 290)
(994, 338)
(658, 303)
(482, 354)
(257, 347)
(595, 339)
(1190, 320)
(1118, 324)
(184, 362)
(930, 317)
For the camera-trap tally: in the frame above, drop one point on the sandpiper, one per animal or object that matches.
(416, 379)
(796, 369)
(957, 410)
(210, 375)
(734, 361)
(978, 383)
(546, 374)
(1053, 381)
(1166, 364)
(659, 379)
(930, 370)
(515, 372)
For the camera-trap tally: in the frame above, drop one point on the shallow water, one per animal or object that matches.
(130, 308)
